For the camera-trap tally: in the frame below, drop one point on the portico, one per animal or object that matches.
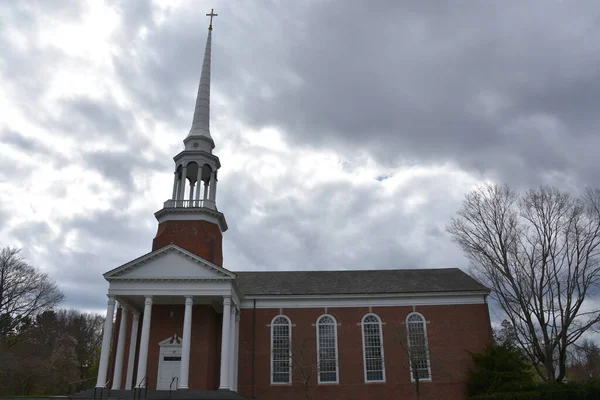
(182, 302)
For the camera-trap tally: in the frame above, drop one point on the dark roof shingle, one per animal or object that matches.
(357, 282)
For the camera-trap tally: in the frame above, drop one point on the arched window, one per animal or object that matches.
(281, 350)
(327, 349)
(418, 351)
(373, 348)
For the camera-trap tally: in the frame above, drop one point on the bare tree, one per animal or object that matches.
(414, 356)
(59, 346)
(539, 255)
(584, 360)
(299, 355)
(86, 329)
(24, 293)
(305, 367)
(506, 334)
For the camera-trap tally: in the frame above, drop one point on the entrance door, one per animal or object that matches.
(169, 365)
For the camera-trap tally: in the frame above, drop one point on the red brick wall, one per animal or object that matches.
(204, 371)
(116, 329)
(202, 238)
(126, 357)
(451, 331)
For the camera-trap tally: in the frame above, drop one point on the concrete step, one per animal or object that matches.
(159, 395)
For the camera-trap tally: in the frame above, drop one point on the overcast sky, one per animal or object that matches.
(348, 131)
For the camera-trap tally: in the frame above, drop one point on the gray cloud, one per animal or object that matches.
(120, 166)
(23, 143)
(399, 82)
(339, 227)
(91, 119)
(502, 90)
(107, 240)
(473, 84)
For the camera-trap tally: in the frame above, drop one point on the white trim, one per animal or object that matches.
(187, 214)
(362, 329)
(289, 322)
(167, 279)
(165, 288)
(337, 360)
(369, 295)
(426, 346)
(341, 301)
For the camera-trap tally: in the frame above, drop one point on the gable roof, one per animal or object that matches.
(149, 258)
(390, 281)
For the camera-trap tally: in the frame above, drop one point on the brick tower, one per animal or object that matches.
(190, 218)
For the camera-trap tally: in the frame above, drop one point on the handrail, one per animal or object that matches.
(72, 384)
(197, 203)
(102, 390)
(138, 388)
(171, 385)
(186, 203)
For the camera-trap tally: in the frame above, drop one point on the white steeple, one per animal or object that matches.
(195, 181)
(201, 122)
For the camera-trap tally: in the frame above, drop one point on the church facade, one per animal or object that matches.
(183, 321)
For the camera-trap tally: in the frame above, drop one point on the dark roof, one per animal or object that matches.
(357, 282)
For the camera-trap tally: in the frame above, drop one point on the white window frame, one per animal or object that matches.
(337, 360)
(424, 322)
(289, 322)
(362, 329)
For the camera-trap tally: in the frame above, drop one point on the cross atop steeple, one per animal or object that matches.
(211, 15)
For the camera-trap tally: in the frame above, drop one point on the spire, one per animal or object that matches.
(201, 122)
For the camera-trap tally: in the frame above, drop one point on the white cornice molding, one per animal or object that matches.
(365, 295)
(192, 214)
(194, 155)
(342, 301)
(169, 279)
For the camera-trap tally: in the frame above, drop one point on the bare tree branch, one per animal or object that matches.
(24, 293)
(539, 254)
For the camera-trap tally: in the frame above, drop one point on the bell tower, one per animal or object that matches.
(190, 219)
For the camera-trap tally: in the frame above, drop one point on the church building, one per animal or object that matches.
(185, 322)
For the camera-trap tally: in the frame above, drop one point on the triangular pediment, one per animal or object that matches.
(169, 263)
(171, 341)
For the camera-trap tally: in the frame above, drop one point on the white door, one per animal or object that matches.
(168, 367)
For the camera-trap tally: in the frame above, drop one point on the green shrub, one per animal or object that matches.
(586, 390)
(500, 368)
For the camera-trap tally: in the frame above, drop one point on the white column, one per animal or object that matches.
(116, 383)
(192, 191)
(225, 333)
(182, 183)
(206, 191)
(232, 347)
(104, 353)
(236, 351)
(132, 345)
(144, 341)
(186, 343)
(213, 187)
(174, 185)
(198, 184)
